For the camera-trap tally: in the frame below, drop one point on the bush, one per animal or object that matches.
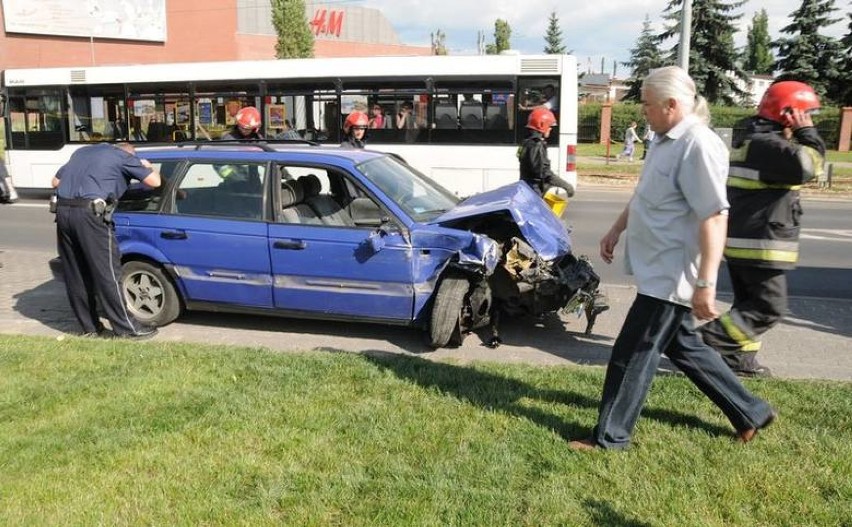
(589, 121)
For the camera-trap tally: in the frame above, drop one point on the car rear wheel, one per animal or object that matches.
(150, 295)
(446, 325)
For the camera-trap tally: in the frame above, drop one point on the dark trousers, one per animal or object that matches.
(760, 303)
(653, 327)
(92, 269)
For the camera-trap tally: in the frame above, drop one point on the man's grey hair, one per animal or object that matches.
(672, 82)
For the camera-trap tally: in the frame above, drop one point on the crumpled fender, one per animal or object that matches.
(537, 223)
(436, 248)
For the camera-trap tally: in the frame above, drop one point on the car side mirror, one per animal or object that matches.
(376, 240)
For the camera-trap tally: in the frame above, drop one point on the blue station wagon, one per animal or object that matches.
(332, 233)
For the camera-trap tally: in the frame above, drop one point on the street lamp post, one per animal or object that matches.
(685, 35)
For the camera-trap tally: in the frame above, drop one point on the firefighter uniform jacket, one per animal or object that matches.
(535, 165)
(765, 175)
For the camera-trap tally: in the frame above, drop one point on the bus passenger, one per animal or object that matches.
(354, 129)
(377, 121)
(248, 124)
(405, 117)
(535, 165)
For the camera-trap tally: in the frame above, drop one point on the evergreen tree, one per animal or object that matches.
(502, 36)
(295, 39)
(553, 38)
(439, 43)
(712, 54)
(806, 55)
(644, 57)
(758, 53)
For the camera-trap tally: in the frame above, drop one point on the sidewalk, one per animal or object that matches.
(814, 342)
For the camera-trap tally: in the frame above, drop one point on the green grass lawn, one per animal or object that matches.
(114, 433)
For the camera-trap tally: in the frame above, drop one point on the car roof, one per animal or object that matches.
(258, 151)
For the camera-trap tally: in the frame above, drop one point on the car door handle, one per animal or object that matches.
(173, 235)
(296, 245)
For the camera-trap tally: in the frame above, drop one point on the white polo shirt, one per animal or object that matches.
(682, 184)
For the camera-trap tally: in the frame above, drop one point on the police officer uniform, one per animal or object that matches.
(89, 185)
(535, 166)
(766, 171)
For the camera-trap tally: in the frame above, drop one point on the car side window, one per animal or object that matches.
(138, 197)
(232, 190)
(318, 196)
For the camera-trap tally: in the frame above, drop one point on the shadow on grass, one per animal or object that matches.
(602, 513)
(497, 392)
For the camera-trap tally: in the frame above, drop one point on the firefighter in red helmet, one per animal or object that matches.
(766, 171)
(247, 125)
(354, 129)
(535, 165)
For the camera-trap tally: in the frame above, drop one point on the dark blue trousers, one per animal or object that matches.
(91, 266)
(654, 327)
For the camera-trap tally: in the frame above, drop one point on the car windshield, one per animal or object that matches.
(422, 198)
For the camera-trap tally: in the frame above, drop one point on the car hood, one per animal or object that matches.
(536, 222)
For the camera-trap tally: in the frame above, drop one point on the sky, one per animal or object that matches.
(596, 31)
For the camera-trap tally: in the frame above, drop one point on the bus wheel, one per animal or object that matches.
(446, 325)
(150, 296)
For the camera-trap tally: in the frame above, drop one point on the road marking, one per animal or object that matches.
(834, 235)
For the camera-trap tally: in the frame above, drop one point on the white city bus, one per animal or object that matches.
(469, 112)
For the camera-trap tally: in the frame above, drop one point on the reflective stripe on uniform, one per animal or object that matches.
(738, 335)
(812, 163)
(750, 184)
(766, 250)
(744, 172)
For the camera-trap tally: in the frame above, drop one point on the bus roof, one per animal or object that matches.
(295, 69)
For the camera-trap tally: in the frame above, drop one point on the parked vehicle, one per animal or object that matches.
(308, 231)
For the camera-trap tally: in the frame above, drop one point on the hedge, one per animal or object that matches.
(589, 120)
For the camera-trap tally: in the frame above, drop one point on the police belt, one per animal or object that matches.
(76, 202)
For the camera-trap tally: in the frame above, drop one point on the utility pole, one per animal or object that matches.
(685, 35)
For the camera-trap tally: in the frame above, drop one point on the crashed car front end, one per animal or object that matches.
(536, 271)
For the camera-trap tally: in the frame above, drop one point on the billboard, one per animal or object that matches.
(115, 19)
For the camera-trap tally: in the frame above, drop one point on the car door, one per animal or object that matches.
(215, 235)
(323, 262)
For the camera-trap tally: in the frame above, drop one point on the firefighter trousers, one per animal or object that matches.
(760, 302)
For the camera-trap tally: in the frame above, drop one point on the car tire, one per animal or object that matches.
(151, 297)
(446, 325)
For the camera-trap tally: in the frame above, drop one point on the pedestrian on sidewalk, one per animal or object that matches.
(630, 139)
(773, 154)
(674, 241)
(647, 138)
(87, 188)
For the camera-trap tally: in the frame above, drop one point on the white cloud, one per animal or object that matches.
(593, 29)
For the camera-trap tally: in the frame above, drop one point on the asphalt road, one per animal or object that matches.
(813, 342)
(825, 269)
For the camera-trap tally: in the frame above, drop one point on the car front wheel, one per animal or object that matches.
(150, 295)
(446, 325)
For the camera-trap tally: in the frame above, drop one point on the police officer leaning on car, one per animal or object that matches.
(87, 188)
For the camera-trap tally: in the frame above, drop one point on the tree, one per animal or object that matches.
(502, 35)
(758, 52)
(295, 39)
(439, 43)
(644, 57)
(553, 37)
(713, 58)
(806, 55)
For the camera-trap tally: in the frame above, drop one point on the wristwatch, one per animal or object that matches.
(702, 283)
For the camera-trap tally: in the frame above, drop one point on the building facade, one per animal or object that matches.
(55, 33)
